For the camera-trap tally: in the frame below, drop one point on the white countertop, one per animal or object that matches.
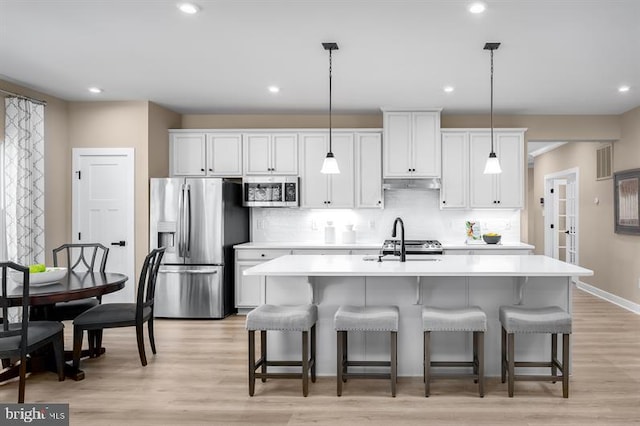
(374, 246)
(441, 265)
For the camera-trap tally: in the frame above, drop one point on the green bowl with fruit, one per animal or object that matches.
(491, 238)
(39, 274)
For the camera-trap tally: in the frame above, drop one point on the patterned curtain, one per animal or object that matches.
(23, 176)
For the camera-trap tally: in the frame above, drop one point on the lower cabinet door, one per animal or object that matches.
(249, 288)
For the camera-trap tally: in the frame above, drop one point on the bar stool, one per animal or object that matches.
(553, 320)
(282, 318)
(369, 318)
(471, 319)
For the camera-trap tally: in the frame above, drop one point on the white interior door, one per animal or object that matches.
(561, 216)
(103, 209)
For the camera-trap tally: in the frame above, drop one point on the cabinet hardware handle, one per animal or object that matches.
(261, 254)
(444, 202)
(202, 170)
(498, 201)
(494, 201)
(210, 170)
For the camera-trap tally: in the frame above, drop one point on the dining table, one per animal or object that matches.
(42, 299)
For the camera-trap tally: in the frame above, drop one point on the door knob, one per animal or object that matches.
(119, 243)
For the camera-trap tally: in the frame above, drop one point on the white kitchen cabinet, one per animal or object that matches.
(326, 191)
(250, 290)
(201, 153)
(411, 143)
(327, 251)
(224, 154)
(266, 154)
(454, 190)
(368, 188)
(188, 154)
(503, 190)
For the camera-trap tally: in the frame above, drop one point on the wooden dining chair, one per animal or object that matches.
(21, 338)
(76, 257)
(112, 315)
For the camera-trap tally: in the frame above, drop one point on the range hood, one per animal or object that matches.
(430, 183)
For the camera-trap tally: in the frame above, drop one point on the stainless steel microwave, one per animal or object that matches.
(270, 191)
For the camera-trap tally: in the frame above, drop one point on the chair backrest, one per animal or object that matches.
(147, 282)
(82, 256)
(4, 302)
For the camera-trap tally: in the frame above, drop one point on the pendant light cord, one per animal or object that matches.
(330, 69)
(492, 101)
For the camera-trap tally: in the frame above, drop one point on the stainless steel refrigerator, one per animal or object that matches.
(198, 220)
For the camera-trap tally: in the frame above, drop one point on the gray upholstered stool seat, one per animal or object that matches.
(273, 317)
(454, 319)
(301, 318)
(518, 319)
(551, 319)
(466, 319)
(366, 318)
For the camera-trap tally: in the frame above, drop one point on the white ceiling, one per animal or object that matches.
(557, 56)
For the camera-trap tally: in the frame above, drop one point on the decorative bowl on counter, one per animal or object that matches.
(491, 238)
(49, 276)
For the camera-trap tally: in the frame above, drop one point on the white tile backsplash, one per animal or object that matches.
(419, 210)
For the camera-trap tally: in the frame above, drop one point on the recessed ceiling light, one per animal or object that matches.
(274, 89)
(189, 8)
(448, 89)
(95, 90)
(623, 89)
(477, 7)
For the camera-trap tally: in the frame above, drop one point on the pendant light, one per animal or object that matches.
(330, 165)
(493, 165)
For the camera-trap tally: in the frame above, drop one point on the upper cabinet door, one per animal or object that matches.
(313, 184)
(455, 170)
(510, 183)
(257, 154)
(224, 155)
(397, 144)
(426, 144)
(482, 187)
(368, 162)
(188, 154)
(341, 186)
(284, 154)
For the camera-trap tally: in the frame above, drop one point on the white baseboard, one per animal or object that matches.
(609, 297)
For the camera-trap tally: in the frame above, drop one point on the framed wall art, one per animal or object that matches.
(626, 187)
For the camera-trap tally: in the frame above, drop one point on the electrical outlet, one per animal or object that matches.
(260, 223)
(314, 225)
(372, 224)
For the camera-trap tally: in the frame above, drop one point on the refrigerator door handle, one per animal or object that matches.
(181, 222)
(188, 222)
(187, 271)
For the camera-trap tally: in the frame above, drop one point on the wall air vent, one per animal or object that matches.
(604, 162)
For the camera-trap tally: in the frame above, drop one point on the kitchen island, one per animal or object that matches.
(488, 281)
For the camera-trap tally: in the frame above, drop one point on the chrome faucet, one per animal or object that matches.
(403, 250)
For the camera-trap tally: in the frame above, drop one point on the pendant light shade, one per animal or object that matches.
(493, 165)
(330, 165)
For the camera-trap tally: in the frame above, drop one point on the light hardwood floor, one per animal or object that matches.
(199, 376)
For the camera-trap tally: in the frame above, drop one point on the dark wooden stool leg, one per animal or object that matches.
(339, 363)
(511, 352)
(475, 355)
(565, 366)
(345, 355)
(313, 353)
(394, 362)
(305, 363)
(263, 353)
(427, 362)
(503, 348)
(480, 358)
(252, 362)
(554, 354)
